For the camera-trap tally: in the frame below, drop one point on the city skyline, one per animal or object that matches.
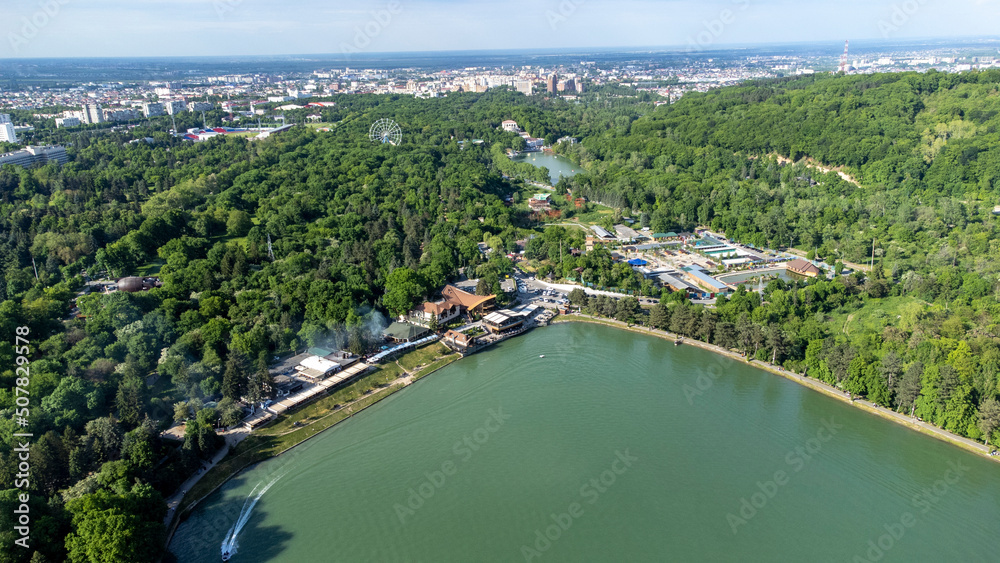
(161, 28)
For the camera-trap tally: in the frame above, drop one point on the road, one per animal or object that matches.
(565, 288)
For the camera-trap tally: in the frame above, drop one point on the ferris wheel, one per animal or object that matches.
(385, 131)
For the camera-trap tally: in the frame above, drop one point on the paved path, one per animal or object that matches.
(232, 438)
(903, 419)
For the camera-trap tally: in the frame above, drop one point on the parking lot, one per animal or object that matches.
(530, 290)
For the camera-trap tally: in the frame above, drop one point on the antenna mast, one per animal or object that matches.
(843, 59)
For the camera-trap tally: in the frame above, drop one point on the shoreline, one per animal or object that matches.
(405, 379)
(409, 378)
(906, 421)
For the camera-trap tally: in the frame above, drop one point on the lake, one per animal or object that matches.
(558, 165)
(615, 446)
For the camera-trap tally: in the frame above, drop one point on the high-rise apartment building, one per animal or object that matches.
(92, 114)
(7, 133)
(153, 109)
(550, 84)
(176, 107)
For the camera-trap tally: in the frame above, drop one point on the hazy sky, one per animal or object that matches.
(61, 28)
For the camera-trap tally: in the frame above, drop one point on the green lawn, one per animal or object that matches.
(592, 217)
(875, 315)
(424, 355)
(151, 269)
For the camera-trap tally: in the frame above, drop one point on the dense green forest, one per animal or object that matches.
(919, 332)
(359, 231)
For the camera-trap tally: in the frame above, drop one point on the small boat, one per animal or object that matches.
(226, 555)
(678, 342)
(542, 356)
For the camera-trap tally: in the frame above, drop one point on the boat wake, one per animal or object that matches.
(230, 543)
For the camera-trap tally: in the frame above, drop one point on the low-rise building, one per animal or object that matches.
(458, 340)
(502, 321)
(67, 122)
(321, 367)
(540, 201)
(706, 282)
(404, 332)
(803, 268)
(440, 311)
(32, 156)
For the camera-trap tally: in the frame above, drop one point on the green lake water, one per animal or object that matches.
(504, 446)
(558, 165)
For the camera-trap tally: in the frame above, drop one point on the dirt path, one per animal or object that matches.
(847, 322)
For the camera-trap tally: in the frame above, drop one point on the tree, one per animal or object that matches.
(200, 439)
(577, 297)
(680, 318)
(775, 340)
(182, 411)
(261, 383)
(989, 418)
(483, 287)
(231, 412)
(234, 379)
(909, 387)
(238, 224)
(49, 463)
(725, 335)
(659, 316)
(131, 400)
(627, 309)
(106, 438)
(109, 528)
(892, 366)
(707, 325)
(402, 290)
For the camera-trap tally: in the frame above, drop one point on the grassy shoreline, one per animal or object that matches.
(816, 385)
(277, 437)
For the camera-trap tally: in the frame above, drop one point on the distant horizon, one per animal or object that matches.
(266, 28)
(835, 46)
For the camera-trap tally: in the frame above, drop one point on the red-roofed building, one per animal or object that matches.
(803, 268)
(453, 304)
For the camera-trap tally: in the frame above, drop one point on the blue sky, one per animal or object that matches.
(269, 27)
